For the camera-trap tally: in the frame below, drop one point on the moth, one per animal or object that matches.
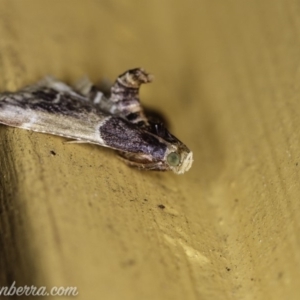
(84, 114)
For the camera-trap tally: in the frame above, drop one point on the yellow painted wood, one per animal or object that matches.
(228, 79)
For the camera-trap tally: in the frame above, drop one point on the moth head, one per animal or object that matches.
(164, 152)
(178, 157)
(179, 161)
(176, 160)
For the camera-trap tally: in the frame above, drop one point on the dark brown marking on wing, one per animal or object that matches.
(51, 101)
(125, 136)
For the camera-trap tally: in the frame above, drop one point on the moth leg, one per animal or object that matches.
(78, 142)
(93, 94)
(135, 160)
(52, 83)
(84, 86)
(125, 96)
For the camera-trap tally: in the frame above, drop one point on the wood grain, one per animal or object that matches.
(228, 79)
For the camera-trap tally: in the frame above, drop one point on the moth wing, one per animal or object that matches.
(53, 107)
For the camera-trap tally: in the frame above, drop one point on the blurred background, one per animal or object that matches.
(227, 80)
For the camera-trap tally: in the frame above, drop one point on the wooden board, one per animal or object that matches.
(228, 80)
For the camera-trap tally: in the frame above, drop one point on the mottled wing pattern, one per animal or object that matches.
(53, 107)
